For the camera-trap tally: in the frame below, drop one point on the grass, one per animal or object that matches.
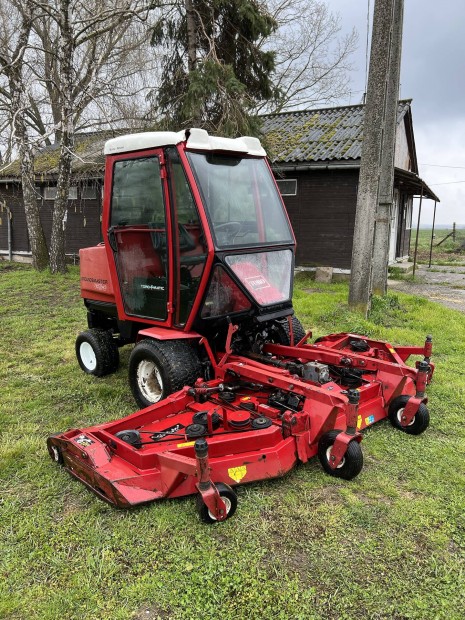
(388, 545)
(449, 253)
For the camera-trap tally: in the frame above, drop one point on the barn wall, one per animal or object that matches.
(323, 215)
(83, 227)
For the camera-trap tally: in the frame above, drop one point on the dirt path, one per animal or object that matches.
(444, 285)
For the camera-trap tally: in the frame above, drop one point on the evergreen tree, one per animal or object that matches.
(214, 72)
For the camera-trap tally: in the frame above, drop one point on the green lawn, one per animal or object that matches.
(450, 252)
(388, 545)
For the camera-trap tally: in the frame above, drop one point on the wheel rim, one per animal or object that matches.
(56, 454)
(88, 356)
(227, 503)
(328, 456)
(149, 381)
(399, 418)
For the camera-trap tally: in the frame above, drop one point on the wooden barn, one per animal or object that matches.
(82, 219)
(316, 159)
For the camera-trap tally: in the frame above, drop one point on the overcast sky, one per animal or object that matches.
(433, 75)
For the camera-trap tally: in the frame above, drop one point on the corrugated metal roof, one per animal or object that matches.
(318, 135)
(305, 136)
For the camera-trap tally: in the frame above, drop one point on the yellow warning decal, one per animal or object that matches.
(359, 421)
(245, 399)
(186, 444)
(391, 350)
(237, 473)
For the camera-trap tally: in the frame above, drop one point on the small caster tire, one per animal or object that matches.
(420, 421)
(352, 463)
(228, 496)
(97, 352)
(54, 451)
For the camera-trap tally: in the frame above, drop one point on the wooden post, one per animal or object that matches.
(373, 126)
(453, 232)
(386, 177)
(432, 234)
(418, 230)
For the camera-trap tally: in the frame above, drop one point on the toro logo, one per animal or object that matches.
(257, 282)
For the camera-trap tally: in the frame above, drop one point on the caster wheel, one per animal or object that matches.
(54, 451)
(420, 421)
(352, 463)
(227, 495)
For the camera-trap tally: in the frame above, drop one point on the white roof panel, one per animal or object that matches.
(198, 140)
(141, 141)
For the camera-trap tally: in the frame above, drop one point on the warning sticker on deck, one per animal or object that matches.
(237, 473)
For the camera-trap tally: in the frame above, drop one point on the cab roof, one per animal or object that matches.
(195, 139)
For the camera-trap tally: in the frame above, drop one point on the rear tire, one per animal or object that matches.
(282, 334)
(157, 369)
(97, 352)
(420, 421)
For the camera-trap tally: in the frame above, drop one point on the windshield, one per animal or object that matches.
(241, 199)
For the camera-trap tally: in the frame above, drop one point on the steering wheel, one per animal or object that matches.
(226, 233)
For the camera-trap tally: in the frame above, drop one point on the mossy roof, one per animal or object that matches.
(327, 134)
(88, 158)
(304, 136)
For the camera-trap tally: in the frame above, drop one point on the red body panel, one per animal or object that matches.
(161, 333)
(96, 282)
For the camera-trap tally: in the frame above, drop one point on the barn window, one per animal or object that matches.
(88, 192)
(50, 192)
(287, 187)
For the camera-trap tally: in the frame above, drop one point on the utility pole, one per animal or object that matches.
(373, 128)
(384, 211)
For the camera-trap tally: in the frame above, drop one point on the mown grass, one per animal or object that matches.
(388, 545)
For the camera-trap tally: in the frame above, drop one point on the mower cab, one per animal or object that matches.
(196, 237)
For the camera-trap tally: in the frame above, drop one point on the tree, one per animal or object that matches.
(15, 29)
(224, 62)
(79, 42)
(85, 57)
(312, 59)
(214, 72)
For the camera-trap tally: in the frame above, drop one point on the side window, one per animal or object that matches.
(137, 196)
(140, 248)
(191, 250)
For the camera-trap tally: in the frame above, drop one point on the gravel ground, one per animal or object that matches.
(440, 284)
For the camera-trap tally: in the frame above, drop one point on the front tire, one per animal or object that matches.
(352, 463)
(227, 495)
(97, 352)
(420, 421)
(282, 334)
(157, 369)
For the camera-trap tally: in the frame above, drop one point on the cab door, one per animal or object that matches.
(138, 233)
